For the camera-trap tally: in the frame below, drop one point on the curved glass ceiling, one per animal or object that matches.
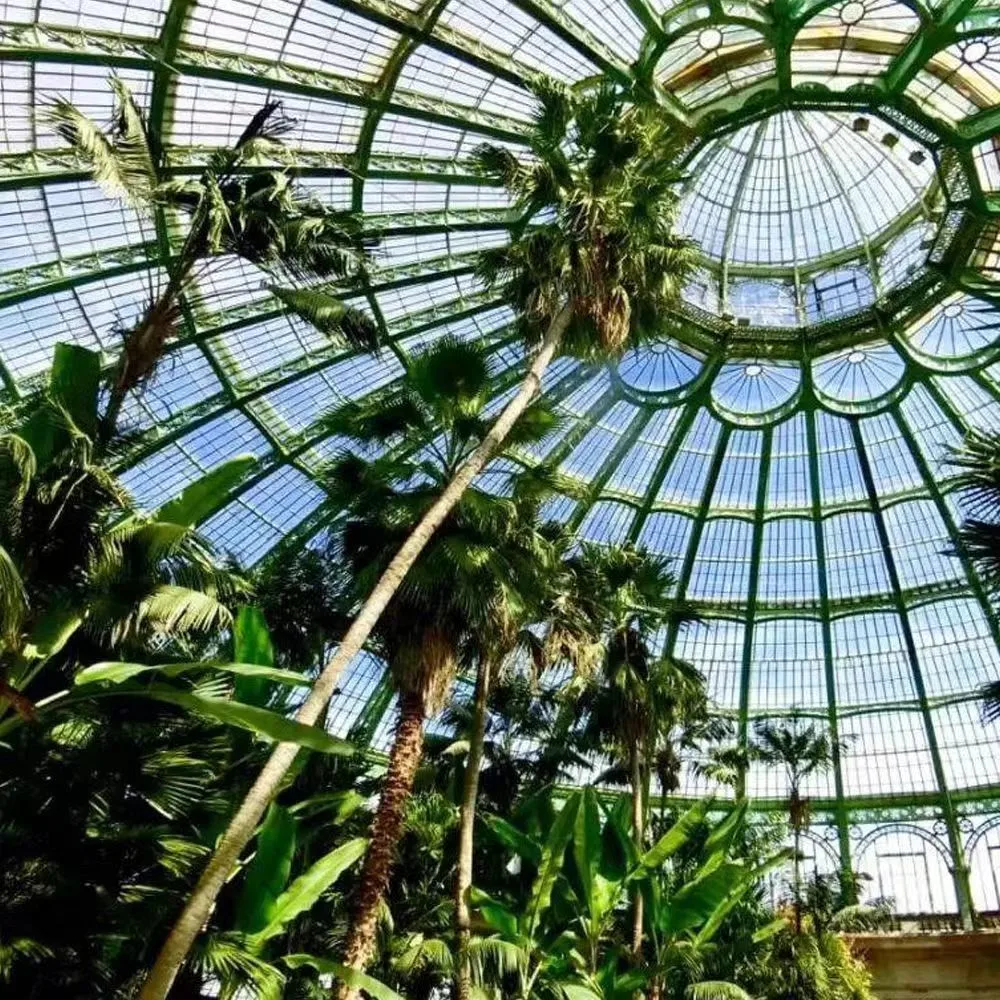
(799, 186)
(786, 449)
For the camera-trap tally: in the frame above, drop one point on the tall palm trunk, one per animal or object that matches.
(470, 793)
(797, 877)
(407, 748)
(143, 347)
(241, 827)
(638, 831)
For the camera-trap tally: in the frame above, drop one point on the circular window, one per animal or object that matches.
(852, 12)
(753, 370)
(953, 311)
(710, 38)
(974, 52)
(856, 357)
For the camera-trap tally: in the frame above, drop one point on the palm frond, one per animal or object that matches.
(122, 169)
(270, 123)
(716, 990)
(329, 315)
(178, 610)
(990, 693)
(492, 959)
(13, 599)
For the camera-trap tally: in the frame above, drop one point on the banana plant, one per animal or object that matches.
(209, 688)
(271, 898)
(564, 937)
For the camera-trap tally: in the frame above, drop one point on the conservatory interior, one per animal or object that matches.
(500, 499)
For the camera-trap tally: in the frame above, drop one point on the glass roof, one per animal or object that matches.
(786, 449)
(798, 186)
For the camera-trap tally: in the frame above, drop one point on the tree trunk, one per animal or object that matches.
(797, 879)
(638, 831)
(470, 793)
(386, 830)
(142, 349)
(241, 828)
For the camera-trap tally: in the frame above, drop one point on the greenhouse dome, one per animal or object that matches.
(787, 445)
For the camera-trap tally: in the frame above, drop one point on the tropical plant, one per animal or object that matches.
(639, 707)
(473, 576)
(85, 573)
(600, 271)
(558, 933)
(239, 204)
(536, 576)
(801, 749)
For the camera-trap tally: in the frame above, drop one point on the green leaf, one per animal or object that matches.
(303, 893)
(720, 840)
(510, 836)
(252, 644)
(674, 839)
(206, 494)
(577, 991)
(695, 902)
(342, 804)
(375, 989)
(587, 844)
(251, 639)
(74, 382)
(116, 673)
(715, 990)
(52, 631)
(334, 319)
(268, 872)
(495, 914)
(552, 861)
(270, 725)
(751, 877)
(769, 930)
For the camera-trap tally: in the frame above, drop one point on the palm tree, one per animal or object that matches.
(84, 573)
(801, 749)
(235, 207)
(978, 483)
(600, 273)
(638, 702)
(536, 575)
(407, 443)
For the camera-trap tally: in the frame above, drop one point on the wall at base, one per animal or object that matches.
(958, 966)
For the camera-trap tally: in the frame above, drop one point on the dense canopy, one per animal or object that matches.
(786, 445)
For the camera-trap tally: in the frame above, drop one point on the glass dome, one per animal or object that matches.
(794, 212)
(787, 447)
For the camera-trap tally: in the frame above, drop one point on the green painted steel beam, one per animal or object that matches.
(960, 868)
(694, 542)
(925, 43)
(39, 168)
(826, 629)
(29, 43)
(756, 548)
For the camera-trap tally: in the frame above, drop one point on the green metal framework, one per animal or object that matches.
(794, 469)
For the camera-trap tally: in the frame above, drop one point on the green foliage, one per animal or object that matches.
(201, 498)
(600, 189)
(240, 204)
(558, 932)
(85, 575)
